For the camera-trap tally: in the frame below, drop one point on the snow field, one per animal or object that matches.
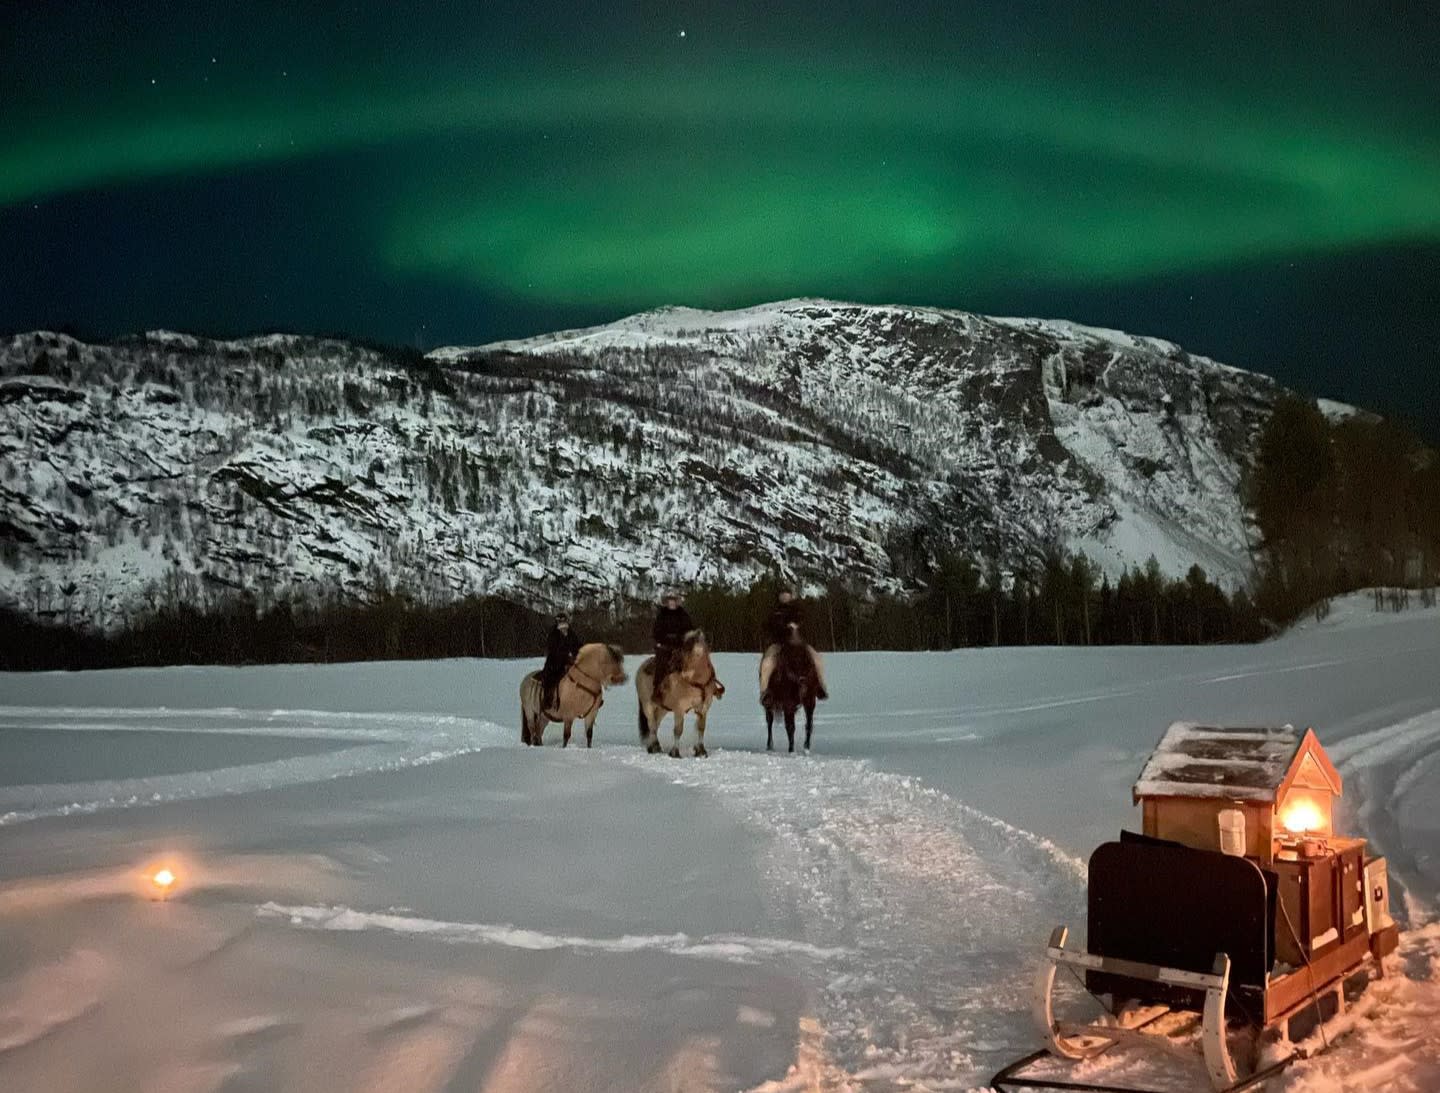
(381, 887)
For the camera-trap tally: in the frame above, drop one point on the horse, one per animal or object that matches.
(794, 683)
(694, 687)
(578, 697)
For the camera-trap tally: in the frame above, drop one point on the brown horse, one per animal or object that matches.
(794, 683)
(693, 687)
(579, 696)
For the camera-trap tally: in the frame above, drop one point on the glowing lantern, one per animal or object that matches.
(163, 883)
(1301, 816)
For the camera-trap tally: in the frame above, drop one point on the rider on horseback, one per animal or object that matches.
(785, 625)
(672, 623)
(560, 650)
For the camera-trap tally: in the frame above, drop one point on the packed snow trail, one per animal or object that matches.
(935, 908)
(354, 744)
(1391, 772)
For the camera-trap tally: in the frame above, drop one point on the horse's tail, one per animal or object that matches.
(530, 701)
(644, 723)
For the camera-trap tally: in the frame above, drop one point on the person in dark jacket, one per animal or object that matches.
(672, 623)
(560, 649)
(785, 624)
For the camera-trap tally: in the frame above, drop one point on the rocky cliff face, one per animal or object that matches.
(825, 441)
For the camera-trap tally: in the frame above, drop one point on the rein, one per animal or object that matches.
(714, 678)
(599, 683)
(596, 696)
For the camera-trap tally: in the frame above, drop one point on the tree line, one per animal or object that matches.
(1062, 601)
(1340, 506)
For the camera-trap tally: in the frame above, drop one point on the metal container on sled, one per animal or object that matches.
(1237, 906)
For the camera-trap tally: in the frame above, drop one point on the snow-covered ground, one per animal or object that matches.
(381, 890)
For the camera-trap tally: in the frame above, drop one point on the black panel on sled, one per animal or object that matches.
(1172, 905)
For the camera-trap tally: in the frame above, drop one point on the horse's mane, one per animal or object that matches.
(616, 653)
(692, 639)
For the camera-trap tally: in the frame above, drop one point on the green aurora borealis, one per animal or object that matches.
(558, 160)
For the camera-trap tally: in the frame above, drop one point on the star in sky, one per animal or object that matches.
(839, 150)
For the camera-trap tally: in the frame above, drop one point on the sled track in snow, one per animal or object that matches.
(376, 743)
(734, 948)
(938, 908)
(1386, 767)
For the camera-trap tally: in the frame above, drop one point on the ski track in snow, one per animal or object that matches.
(736, 948)
(936, 907)
(383, 742)
(1384, 768)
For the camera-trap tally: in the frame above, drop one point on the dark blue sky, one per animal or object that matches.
(1259, 184)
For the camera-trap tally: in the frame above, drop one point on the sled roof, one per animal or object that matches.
(1241, 764)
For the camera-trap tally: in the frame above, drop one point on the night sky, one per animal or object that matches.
(1258, 181)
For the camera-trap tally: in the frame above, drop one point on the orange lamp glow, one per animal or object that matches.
(1302, 816)
(163, 882)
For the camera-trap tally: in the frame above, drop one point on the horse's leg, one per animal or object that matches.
(537, 730)
(524, 726)
(650, 718)
(679, 732)
(700, 715)
(566, 742)
(590, 728)
(790, 726)
(769, 728)
(809, 721)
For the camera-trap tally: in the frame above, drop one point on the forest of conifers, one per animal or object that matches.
(1338, 506)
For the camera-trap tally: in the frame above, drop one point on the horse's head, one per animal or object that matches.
(792, 634)
(698, 668)
(694, 647)
(617, 665)
(795, 672)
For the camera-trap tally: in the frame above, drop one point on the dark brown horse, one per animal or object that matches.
(794, 683)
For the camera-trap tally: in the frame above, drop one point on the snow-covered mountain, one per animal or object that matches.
(822, 440)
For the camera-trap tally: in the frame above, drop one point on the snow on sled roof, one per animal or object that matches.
(1245, 764)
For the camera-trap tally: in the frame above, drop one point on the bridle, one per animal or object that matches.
(597, 695)
(719, 687)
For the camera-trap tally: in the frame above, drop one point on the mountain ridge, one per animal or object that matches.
(819, 440)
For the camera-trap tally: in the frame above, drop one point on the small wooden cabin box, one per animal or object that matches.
(1267, 793)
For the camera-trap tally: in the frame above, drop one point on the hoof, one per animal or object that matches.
(653, 749)
(674, 753)
(700, 752)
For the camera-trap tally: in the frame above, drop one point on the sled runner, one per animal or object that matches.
(1236, 913)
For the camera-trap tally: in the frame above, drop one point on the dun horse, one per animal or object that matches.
(579, 696)
(793, 683)
(693, 687)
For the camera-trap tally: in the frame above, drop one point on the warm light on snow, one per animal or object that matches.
(1302, 816)
(162, 882)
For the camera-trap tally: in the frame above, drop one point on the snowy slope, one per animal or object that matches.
(385, 891)
(823, 440)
